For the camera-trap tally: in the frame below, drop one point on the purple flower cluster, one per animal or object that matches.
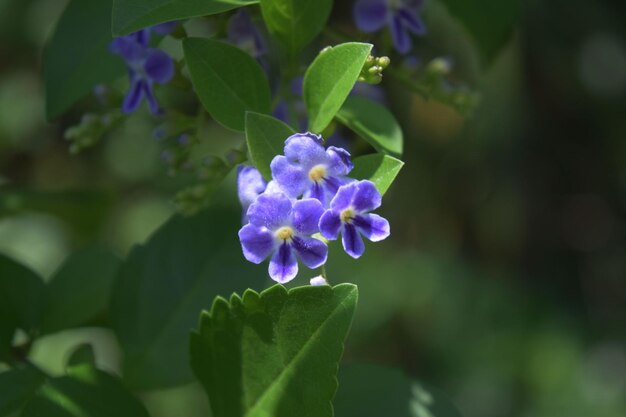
(401, 16)
(146, 66)
(310, 194)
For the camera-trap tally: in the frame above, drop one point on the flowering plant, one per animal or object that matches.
(225, 86)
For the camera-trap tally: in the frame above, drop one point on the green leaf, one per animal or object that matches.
(80, 290)
(77, 58)
(163, 285)
(295, 22)
(490, 22)
(83, 354)
(17, 385)
(381, 169)
(266, 137)
(132, 15)
(228, 81)
(85, 391)
(20, 299)
(274, 353)
(329, 80)
(374, 123)
(373, 391)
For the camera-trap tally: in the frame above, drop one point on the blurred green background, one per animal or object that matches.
(504, 282)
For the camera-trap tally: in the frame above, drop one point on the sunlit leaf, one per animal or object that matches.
(374, 123)
(381, 169)
(329, 80)
(295, 22)
(266, 137)
(132, 15)
(274, 353)
(228, 81)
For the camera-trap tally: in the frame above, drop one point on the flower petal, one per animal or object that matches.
(134, 96)
(370, 15)
(343, 198)
(313, 253)
(128, 48)
(257, 243)
(330, 224)
(250, 184)
(306, 215)
(152, 102)
(340, 163)
(372, 226)
(142, 37)
(159, 66)
(352, 242)
(399, 35)
(270, 210)
(411, 21)
(366, 197)
(283, 265)
(306, 149)
(290, 177)
(164, 28)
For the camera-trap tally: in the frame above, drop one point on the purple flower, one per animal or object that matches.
(146, 66)
(282, 228)
(250, 184)
(349, 215)
(243, 33)
(402, 17)
(309, 170)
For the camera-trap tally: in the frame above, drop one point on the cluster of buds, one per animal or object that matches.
(372, 72)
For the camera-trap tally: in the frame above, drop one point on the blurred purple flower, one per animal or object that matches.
(402, 17)
(349, 215)
(250, 184)
(146, 66)
(243, 33)
(309, 170)
(282, 228)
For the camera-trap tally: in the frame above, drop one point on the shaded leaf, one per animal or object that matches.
(490, 22)
(80, 290)
(17, 385)
(77, 58)
(266, 137)
(85, 391)
(132, 15)
(381, 169)
(228, 81)
(295, 22)
(329, 80)
(163, 285)
(274, 353)
(373, 391)
(20, 298)
(83, 354)
(374, 123)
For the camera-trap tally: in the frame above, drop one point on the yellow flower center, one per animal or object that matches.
(347, 215)
(284, 233)
(317, 173)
